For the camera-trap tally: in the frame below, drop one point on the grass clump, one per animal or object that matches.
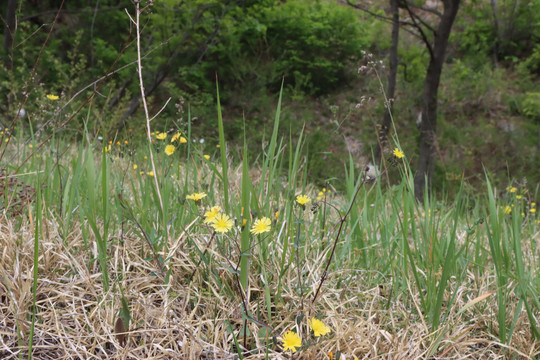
(256, 262)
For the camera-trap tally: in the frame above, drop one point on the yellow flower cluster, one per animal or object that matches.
(322, 194)
(291, 340)
(196, 196)
(220, 222)
(398, 153)
(261, 226)
(303, 199)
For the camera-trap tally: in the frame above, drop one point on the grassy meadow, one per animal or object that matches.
(168, 248)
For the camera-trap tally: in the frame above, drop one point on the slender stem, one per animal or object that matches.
(147, 116)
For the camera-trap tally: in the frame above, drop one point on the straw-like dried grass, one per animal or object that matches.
(76, 318)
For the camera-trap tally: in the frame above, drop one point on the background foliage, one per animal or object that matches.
(489, 84)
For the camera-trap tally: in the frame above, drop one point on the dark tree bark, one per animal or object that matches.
(391, 85)
(9, 30)
(428, 126)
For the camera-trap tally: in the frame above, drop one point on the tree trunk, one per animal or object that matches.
(9, 31)
(391, 86)
(428, 126)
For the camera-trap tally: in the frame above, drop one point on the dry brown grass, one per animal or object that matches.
(76, 318)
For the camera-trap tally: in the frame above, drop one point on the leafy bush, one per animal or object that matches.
(313, 43)
(531, 105)
(505, 31)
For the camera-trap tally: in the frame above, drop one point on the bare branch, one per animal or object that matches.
(417, 26)
(384, 18)
(146, 114)
(49, 12)
(425, 8)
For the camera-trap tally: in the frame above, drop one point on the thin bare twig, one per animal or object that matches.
(136, 22)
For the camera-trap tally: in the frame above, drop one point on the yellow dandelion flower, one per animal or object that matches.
(183, 140)
(107, 148)
(276, 215)
(318, 327)
(513, 189)
(291, 341)
(30, 146)
(222, 223)
(196, 196)
(398, 153)
(52, 97)
(532, 210)
(175, 137)
(169, 150)
(303, 199)
(261, 226)
(161, 136)
(207, 157)
(507, 209)
(211, 214)
(135, 166)
(519, 197)
(150, 173)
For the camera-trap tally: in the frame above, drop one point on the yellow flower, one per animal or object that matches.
(196, 196)
(207, 157)
(175, 137)
(211, 214)
(169, 150)
(261, 226)
(507, 209)
(318, 327)
(398, 153)
(276, 215)
(107, 148)
(183, 140)
(532, 210)
(150, 173)
(222, 223)
(513, 189)
(52, 97)
(302, 199)
(519, 197)
(161, 136)
(135, 166)
(291, 341)
(533, 204)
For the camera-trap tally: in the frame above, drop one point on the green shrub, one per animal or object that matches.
(531, 105)
(313, 43)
